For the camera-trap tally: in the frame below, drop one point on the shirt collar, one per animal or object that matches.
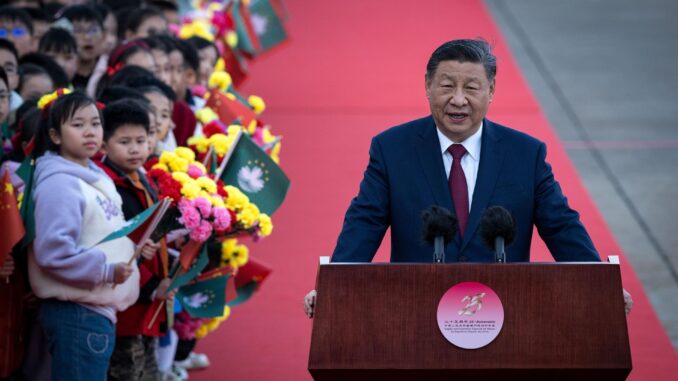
(472, 143)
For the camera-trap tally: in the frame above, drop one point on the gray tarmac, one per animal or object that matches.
(605, 73)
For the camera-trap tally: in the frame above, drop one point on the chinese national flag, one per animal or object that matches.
(11, 226)
(229, 110)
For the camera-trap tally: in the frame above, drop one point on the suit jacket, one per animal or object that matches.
(406, 175)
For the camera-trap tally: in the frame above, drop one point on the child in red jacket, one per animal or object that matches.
(126, 125)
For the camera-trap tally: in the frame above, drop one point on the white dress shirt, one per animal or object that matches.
(469, 162)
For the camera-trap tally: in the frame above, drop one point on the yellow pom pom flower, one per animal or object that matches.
(265, 225)
(160, 166)
(217, 201)
(221, 64)
(220, 143)
(181, 177)
(236, 200)
(185, 153)
(257, 104)
(220, 80)
(207, 184)
(206, 115)
(201, 143)
(231, 38)
(249, 215)
(190, 190)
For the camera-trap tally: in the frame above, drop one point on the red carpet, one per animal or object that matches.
(352, 69)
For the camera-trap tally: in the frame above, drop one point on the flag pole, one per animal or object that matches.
(208, 155)
(157, 310)
(228, 155)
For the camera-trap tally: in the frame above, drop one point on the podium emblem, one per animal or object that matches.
(470, 315)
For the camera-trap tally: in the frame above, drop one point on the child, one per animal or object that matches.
(126, 148)
(76, 205)
(144, 22)
(34, 82)
(160, 52)
(161, 98)
(130, 53)
(16, 26)
(5, 94)
(9, 60)
(88, 33)
(208, 54)
(40, 20)
(60, 45)
(110, 27)
(56, 73)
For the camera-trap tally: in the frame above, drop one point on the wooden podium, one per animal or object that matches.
(562, 321)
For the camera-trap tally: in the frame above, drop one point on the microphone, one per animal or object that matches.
(497, 229)
(439, 227)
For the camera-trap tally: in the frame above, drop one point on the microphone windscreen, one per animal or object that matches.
(495, 222)
(438, 222)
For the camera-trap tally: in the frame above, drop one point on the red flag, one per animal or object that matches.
(253, 271)
(11, 226)
(228, 110)
(188, 253)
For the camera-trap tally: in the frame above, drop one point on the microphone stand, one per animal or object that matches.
(500, 254)
(439, 249)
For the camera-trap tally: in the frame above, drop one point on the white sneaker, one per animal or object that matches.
(178, 372)
(194, 361)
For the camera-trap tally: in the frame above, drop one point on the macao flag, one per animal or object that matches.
(133, 228)
(252, 171)
(205, 298)
(267, 24)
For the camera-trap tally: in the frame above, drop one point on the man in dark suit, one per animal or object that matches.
(458, 159)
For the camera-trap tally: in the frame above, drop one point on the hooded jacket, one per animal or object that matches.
(75, 208)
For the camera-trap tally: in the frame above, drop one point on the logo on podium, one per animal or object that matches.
(470, 315)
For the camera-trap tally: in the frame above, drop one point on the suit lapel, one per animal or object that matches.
(491, 157)
(431, 160)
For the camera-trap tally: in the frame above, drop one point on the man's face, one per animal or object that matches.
(459, 95)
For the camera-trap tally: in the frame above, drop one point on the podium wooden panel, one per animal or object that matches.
(563, 321)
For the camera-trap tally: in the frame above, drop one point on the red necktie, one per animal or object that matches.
(458, 189)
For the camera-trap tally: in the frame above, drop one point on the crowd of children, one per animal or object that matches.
(94, 91)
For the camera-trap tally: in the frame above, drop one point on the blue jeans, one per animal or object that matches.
(80, 340)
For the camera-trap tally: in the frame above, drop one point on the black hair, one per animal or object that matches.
(124, 112)
(103, 10)
(60, 111)
(157, 42)
(37, 14)
(52, 9)
(3, 77)
(58, 40)
(9, 46)
(200, 43)
(117, 5)
(474, 51)
(152, 84)
(14, 14)
(28, 70)
(55, 71)
(129, 73)
(125, 50)
(116, 93)
(190, 53)
(121, 77)
(82, 13)
(164, 5)
(138, 17)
